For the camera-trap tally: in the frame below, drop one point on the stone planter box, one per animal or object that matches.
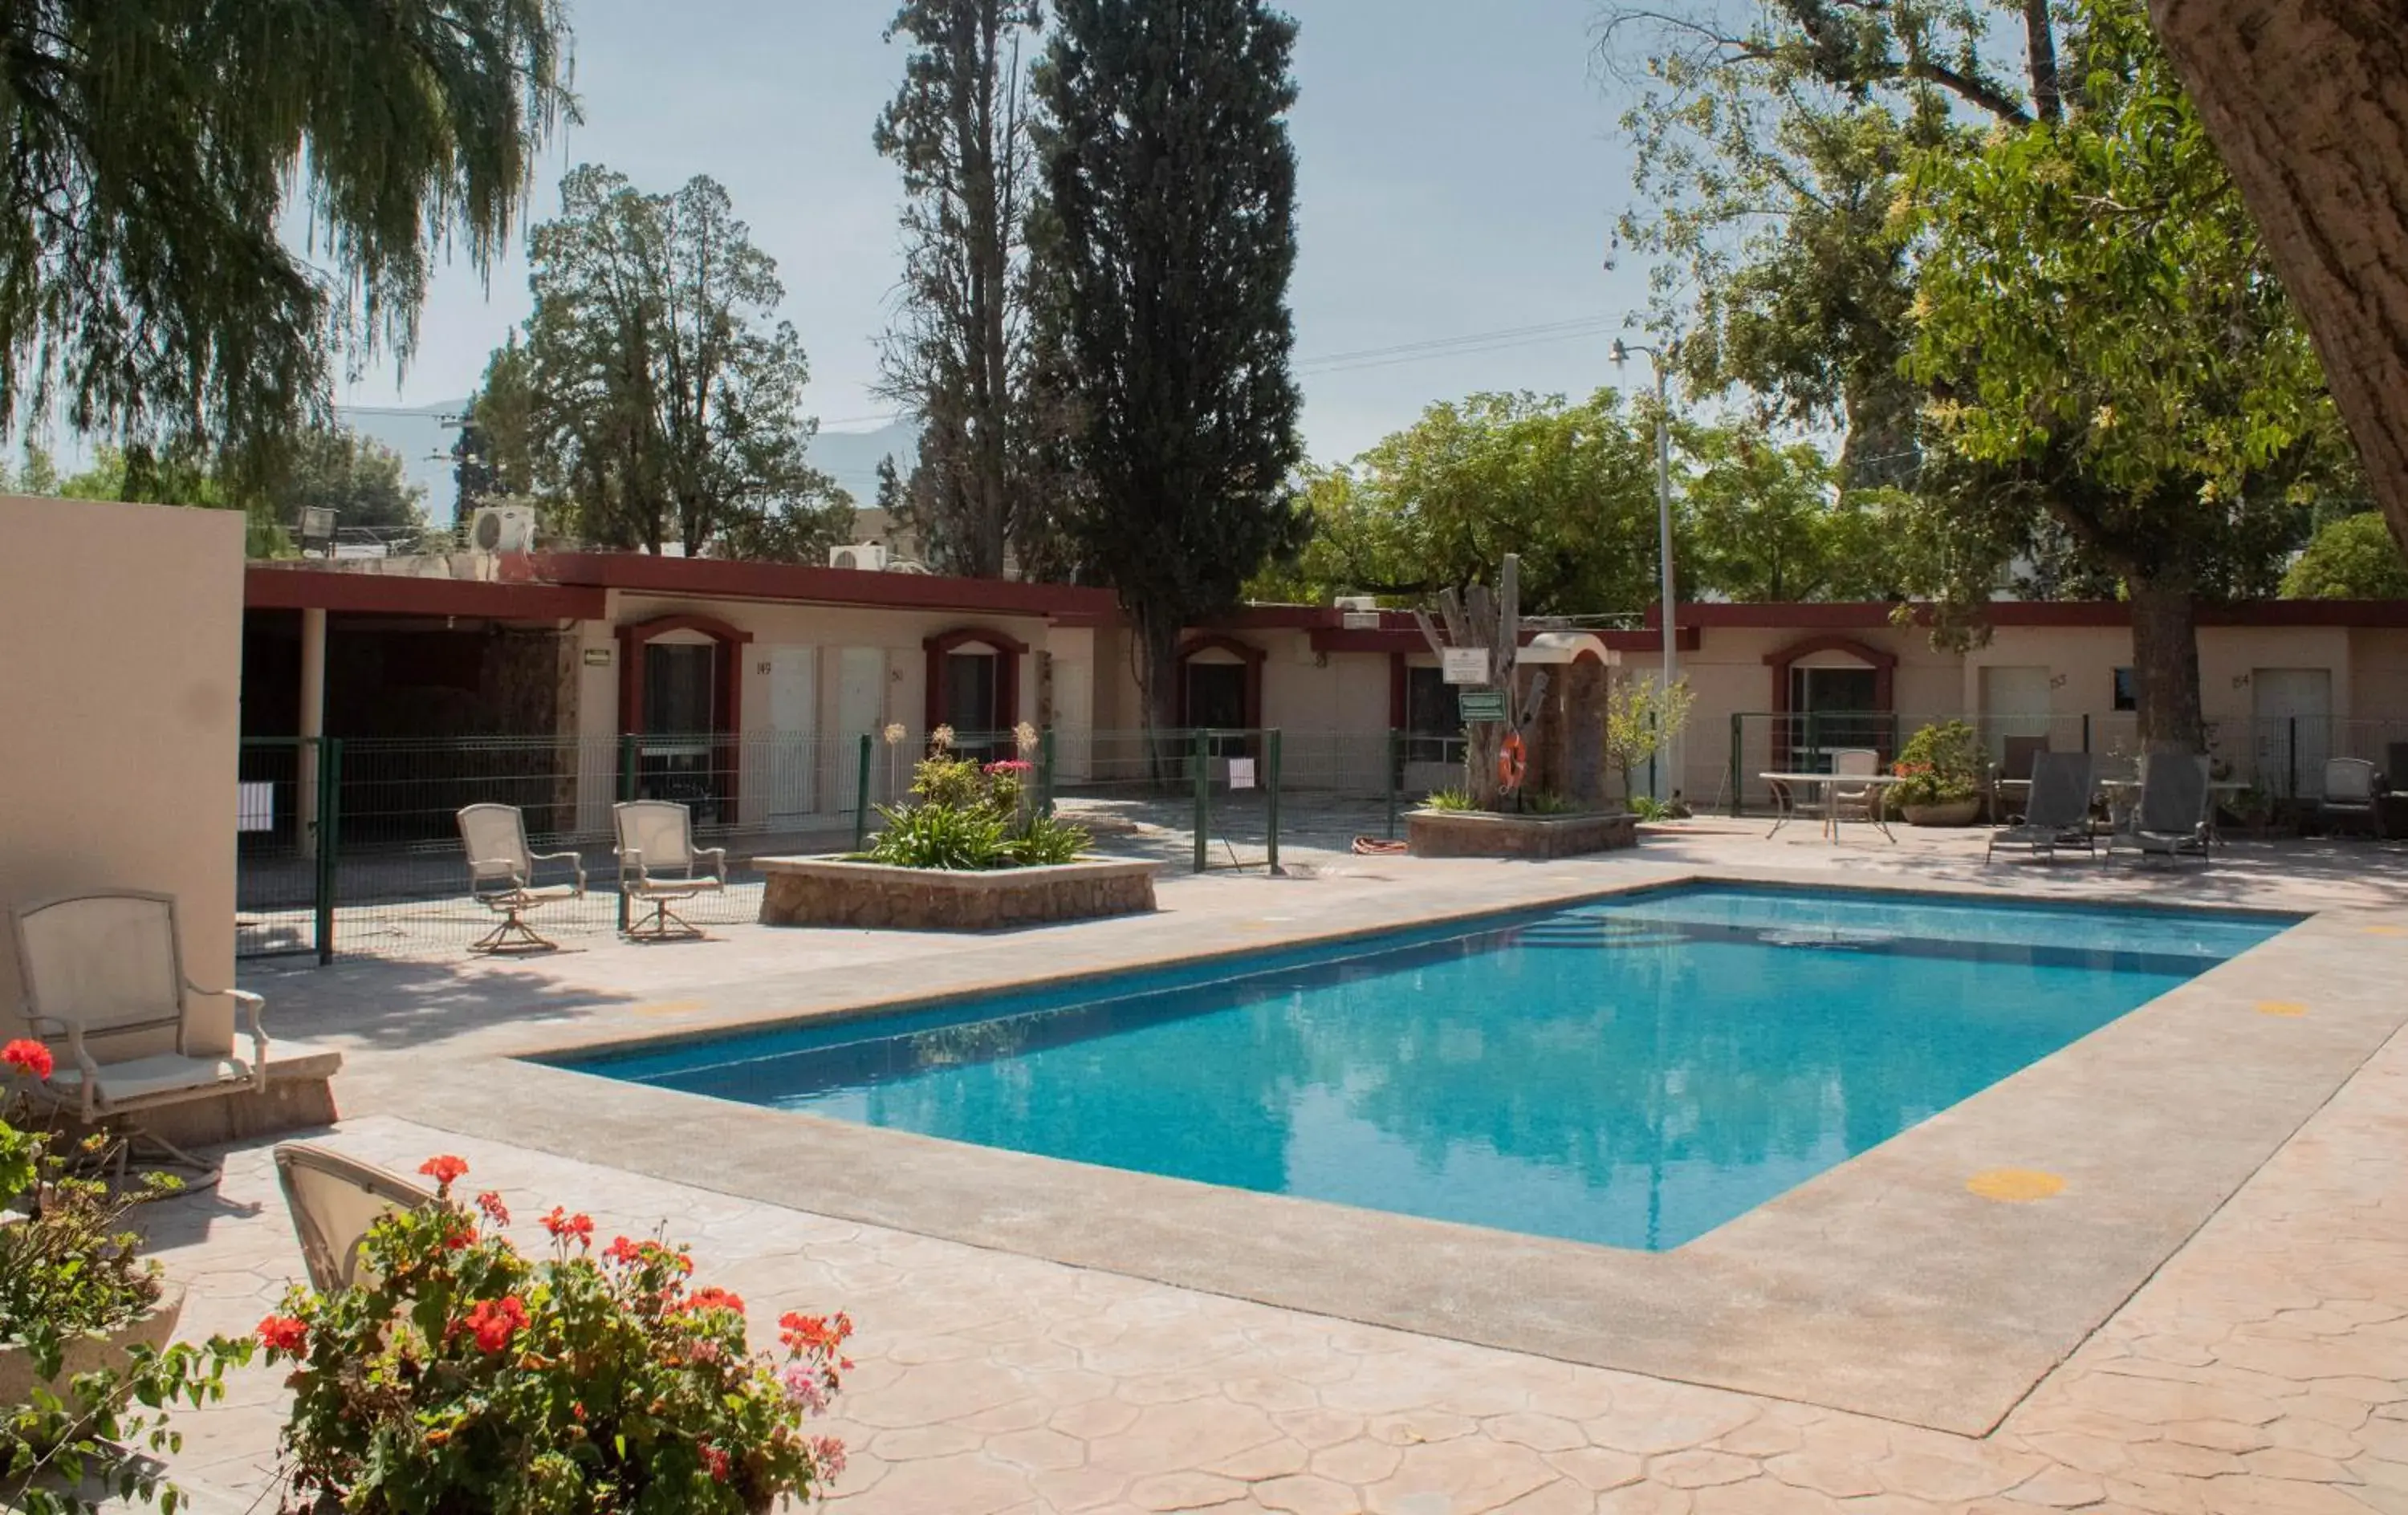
(1482, 833)
(91, 1351)
(838, 892)
(1946, 813)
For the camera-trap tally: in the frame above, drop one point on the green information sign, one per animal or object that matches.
(1482, 704)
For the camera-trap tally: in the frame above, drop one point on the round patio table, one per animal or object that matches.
(1786, 806)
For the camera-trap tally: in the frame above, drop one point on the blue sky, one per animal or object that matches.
(1460, 173)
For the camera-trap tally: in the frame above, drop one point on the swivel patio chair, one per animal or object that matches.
(333, 1200)
(659, 866)
(1855, 802)
(2057, 814)
(2348, 800)
(501, 877)
(2172, 818)
(104, 974)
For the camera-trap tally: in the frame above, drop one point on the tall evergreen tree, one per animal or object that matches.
(155, 149)
(1165, 244)
(958, 357)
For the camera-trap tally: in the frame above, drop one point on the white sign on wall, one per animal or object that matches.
(255, 808)
(1241, 773)
(1464, 665)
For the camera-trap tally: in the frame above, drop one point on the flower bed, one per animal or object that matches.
(848, 891)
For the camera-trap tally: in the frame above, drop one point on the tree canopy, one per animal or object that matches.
(1164, 242)
(2354, 557)
(1572, 488)
(155, 148)
(658, 398)
(358, 478)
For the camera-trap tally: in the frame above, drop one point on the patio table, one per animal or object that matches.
(1785, 805)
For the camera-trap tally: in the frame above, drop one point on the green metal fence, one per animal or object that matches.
(2281, 757)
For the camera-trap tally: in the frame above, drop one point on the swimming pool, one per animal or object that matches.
(1631, 1072)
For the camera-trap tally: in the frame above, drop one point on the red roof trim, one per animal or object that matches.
(271, 587)
(722, 578)
(1685, 639)
(1868, 616)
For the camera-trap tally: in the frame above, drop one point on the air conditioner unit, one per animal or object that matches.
(1358, 612)
(868, 556)
(502, 528)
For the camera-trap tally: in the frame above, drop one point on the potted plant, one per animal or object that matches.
(460, 1376)
(1941, 770)
(86, 1366)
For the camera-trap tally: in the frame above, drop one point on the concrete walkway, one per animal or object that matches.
(2263, 1367)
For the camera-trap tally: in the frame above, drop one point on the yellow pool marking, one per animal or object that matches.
(2015, 1186)
(2286, 1008)
(671, 1006)
(2386, 930)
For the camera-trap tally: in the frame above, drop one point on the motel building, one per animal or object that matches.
(747, 688)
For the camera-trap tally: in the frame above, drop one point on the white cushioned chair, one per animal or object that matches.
(333, 1200)
(104, 978)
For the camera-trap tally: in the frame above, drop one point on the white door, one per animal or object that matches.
(860, 709)
(2293, 730)
(791, 760)
(2015, 703)
(1074, 720)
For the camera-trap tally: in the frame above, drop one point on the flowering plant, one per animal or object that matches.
(72, 1275)
(972, 817)
(1941, 763)
(460, 1375)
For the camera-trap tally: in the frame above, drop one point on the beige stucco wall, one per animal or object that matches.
(122, 689)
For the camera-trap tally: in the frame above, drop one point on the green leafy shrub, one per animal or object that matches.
(69, 1269)
(1450, 799)
(467, 1377)
(1547, 801)
(1047, 841)
(1941, 763)
(931, 836)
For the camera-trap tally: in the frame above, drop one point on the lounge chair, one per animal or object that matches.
(2171, 817)
(2013, 772)
(2348, 799)
(2057, 813)
(659, 866)
(104, 973)
(501, 877)
(333, 1200)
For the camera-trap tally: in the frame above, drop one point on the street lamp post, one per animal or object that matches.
(1668, 778)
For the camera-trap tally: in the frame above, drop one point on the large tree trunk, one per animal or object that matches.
(2165, 664)
(1158, 633)
(2308, 101)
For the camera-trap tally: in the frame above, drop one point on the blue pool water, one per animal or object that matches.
(1632, 1072)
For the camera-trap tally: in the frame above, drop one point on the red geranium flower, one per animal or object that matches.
(490, 1203)
(566, 1227)
(285, 1334)
(814, 1331)
(714, 1298)
(494, 1322)
(443, 1170)
(715, 1459)
(28, 1056)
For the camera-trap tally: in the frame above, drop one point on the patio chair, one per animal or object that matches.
(104, 973)
(2171, 817)
(501, 877)
(659, 866)
(333, 1200)
(1855, 802)
(2057, 814)
(2394, 768)
(2348, 799)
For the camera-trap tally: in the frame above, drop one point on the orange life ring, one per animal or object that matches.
(1512, 762)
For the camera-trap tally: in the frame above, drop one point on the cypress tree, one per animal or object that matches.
(1163, 244)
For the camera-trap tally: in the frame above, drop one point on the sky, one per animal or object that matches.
(1460, 170)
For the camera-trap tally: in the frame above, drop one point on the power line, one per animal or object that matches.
(1473, 341)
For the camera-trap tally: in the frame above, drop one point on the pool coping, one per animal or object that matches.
(1882, 1286)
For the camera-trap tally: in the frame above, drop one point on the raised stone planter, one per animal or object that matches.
(89, 1352)
(1480, 834)
(837, 891)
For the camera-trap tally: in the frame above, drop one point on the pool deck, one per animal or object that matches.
(2210, 1314)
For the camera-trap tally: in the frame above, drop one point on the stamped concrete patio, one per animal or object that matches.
(2262, 1367)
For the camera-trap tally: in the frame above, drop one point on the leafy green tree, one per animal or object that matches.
(2110, 350)
(493, 457)
(156, 150)
(663, 398)
(358, 478)
(1572, 488)
(959, 357)
(1166, 239)
(2353, 558)
(1642, 719)
(181, 478)
(1765, 522)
